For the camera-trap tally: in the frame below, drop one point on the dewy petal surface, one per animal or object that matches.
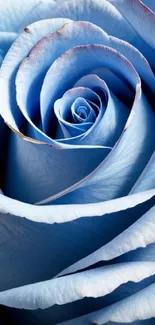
(19, 50)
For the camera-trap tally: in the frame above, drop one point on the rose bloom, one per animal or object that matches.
(77, 162)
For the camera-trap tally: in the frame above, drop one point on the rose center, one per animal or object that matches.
(77, 112)
(83, 111)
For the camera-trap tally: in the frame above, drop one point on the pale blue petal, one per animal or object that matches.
(139, 306)
(32, 251)
(146, 180)
(92, 283)
(14, 16)
(140, 18)
(57, 213)
(110, 126)
(104, 15)
(32, 71)
(140, 234)
(19, 50)
(86, 35)
(36, 32)
(136, 58)
(42, 170)
(39, 62)
(46, 249)
(63, 108)
(122, 167)
(113, 21)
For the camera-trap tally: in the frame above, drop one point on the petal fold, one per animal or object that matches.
(93, 283)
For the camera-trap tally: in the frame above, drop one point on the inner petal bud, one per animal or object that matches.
(82, 111)
(77, 111)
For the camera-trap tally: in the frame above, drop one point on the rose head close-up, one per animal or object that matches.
(77, 162)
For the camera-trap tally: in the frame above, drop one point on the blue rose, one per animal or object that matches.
(77, 162)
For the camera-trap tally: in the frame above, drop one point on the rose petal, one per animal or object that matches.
(31, 260)
(19, 50)
(93, 283)
(14, 16)
(140, 234)
(57, 213)
(139, 306)
(139, 17)
(146, 180)
(111, 124)
(44, 170)
(113, 21)
(32, 71)
(122, 167)
(63, 106)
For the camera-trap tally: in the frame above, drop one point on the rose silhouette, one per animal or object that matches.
(77, 141)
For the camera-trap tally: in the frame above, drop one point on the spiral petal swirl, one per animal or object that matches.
(77, 160)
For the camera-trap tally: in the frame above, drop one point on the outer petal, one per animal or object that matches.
(111, 119)
(137, 307)
(14, 16)
(45, 245)
(59, 214)
(46, 249)
(41, 169)
(140, 234)
(93, 283)
(121, 168)
(20, 49)
(12, 61)
(139, 16)
(112, 20)
(146, 180)
(104, 15)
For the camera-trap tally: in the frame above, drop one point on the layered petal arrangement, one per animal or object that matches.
(77, 162)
